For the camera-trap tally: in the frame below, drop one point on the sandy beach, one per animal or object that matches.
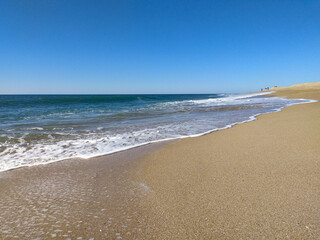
(256, 180)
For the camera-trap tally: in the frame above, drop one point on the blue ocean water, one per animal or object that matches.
(38, 129)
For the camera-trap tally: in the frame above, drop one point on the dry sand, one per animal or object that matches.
(256, 180)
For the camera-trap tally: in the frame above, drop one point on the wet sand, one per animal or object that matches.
(256, 180)
(75, 199)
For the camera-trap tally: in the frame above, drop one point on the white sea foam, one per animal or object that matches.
(35, 128)
(91, 143)
(230, 99)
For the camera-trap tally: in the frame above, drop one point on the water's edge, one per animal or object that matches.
(250, 118)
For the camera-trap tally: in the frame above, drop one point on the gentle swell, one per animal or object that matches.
(96, 131)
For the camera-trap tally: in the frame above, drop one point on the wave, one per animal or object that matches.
(229, 99)
(40, 147)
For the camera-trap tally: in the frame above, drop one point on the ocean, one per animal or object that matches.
(39, 129)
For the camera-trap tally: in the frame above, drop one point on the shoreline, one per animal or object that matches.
(264, 183)
(190, 188)
(250, 118)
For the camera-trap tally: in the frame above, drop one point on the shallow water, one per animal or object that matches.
(38, 129)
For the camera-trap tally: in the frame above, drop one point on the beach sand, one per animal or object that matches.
(257, 180)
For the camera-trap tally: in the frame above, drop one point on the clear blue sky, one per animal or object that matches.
(157, 46)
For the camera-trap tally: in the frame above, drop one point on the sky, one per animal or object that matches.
(157, 46)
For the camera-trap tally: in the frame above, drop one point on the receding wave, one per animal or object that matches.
(232, 108)
(40, 129)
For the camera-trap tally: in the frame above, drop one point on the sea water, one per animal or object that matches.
(39, 129)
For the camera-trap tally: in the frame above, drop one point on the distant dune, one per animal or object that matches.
(313, 85)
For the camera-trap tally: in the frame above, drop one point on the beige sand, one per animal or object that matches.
(255, 180)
